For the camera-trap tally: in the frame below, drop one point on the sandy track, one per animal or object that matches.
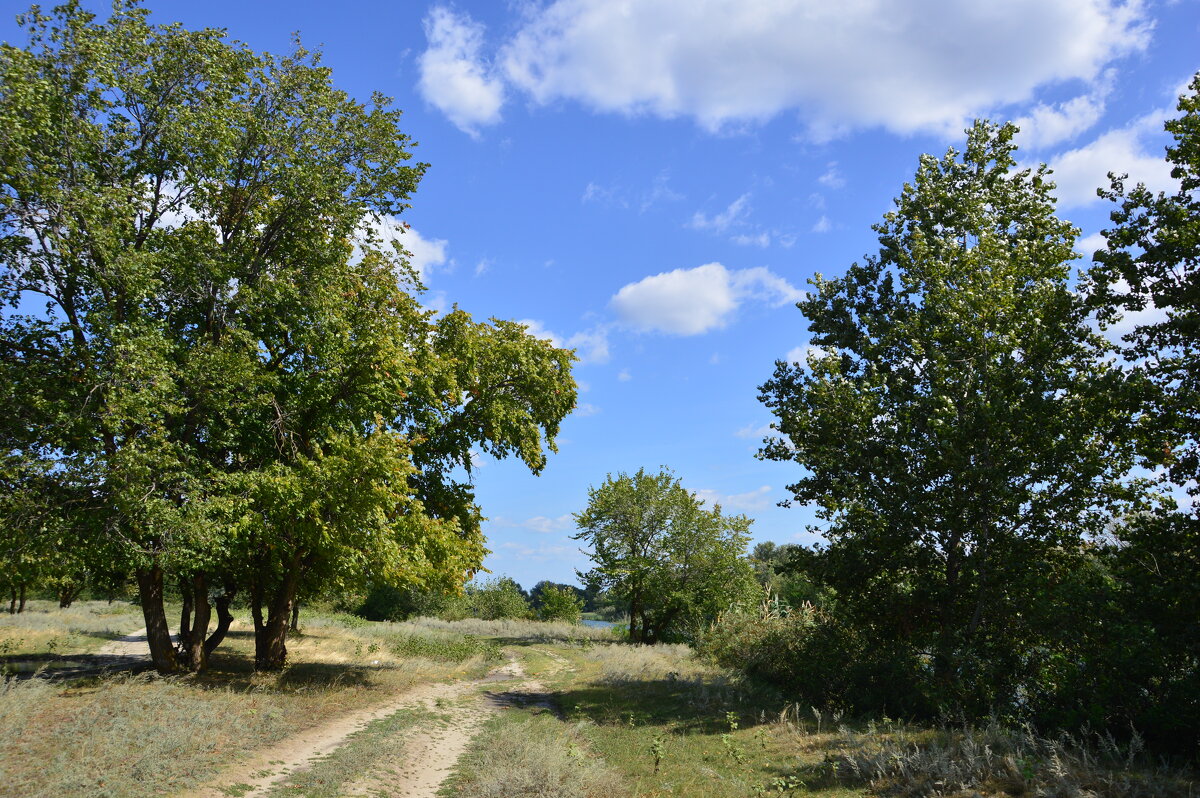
(429, 753)
(133, 645)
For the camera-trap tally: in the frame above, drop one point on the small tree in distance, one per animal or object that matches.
(560, 604)
(673, 563)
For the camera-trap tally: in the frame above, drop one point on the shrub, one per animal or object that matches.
(497, 598)
(558, 604)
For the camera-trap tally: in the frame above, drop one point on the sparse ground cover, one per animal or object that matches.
(45, 631)
(143, 735)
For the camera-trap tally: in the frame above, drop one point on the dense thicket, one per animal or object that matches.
(216, 374)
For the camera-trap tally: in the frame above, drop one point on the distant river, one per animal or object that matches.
(598, 624)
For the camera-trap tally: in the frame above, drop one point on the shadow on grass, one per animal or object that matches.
(688, 707)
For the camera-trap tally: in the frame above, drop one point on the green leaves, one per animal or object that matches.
(240, 380)
(655, 546)
(957, 426)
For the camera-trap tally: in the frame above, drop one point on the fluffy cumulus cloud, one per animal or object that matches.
(921, 65)
(1135, 150)
(1048, 125)
(694, 301)
(454, 77)
(591, 346)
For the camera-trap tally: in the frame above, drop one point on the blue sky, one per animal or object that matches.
(654, 182)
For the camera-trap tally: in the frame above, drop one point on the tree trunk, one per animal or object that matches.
(12, 604)
(158, 633)
(295, 625)
(636, 616)
(197, 652)
(270, 637)
(224, 619)
(185, 619)
(68, 594)
(21, 599)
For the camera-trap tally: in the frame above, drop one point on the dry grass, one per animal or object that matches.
(45, 629)
(521, 756)
(639, 663)
(126, 736)
(988, 761)
(142, 736)
(513, 629)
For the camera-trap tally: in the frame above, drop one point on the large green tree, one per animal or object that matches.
(203, 337)
(953, 424)
(674, 563)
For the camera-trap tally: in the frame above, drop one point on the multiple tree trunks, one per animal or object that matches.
(17, 602)
(195, 644)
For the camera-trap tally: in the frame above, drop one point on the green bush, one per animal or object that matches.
(558, 604)
(491, 599)
(444, 649)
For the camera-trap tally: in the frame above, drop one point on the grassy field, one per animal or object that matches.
(144, 735)
(608, 720)
(654, 721)
(44, 630)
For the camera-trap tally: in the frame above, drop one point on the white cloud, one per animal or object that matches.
(540, 523)
(921, 65)
(454, 78)
(822, 225)
(756, 433)
(762, 239)
(1130, 150)
(591, 346)
(584, 409)
(1151, 314)
(624, 376)
(734, 214)
(1048, 125)
(693, 301)
(1087, 246)
(482, 267)
(751, 500)
(832, 178)
(426, 254)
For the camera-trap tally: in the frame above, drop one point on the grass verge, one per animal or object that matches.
(519, 755)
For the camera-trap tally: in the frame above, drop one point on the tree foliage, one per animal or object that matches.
(674, 563)
(954, 424)
(229, 370)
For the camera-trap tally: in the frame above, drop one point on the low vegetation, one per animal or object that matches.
(44, 630)
(522, 755)
(77, 737)
(668, 723)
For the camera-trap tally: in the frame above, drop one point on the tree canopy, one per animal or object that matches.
(955, 422)
(205, 343)
(674, 563)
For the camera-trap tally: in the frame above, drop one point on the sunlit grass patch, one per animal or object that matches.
(519, 755)
(45, 629)
(141, 736)
(515, 629)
